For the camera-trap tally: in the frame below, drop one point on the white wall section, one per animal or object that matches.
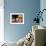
(1, 20)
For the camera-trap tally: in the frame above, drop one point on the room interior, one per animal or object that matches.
(28, 34)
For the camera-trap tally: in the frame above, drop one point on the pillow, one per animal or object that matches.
(28, 39)
(21, 42)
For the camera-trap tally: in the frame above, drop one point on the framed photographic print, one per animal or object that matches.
(16, 18)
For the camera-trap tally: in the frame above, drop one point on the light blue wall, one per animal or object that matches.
(28, 7)
(43, 6)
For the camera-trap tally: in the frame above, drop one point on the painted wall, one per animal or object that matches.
(29, 8)
(43, 6)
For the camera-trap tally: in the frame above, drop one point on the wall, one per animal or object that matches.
(1, 21)
(43, 6)
(28, 7)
